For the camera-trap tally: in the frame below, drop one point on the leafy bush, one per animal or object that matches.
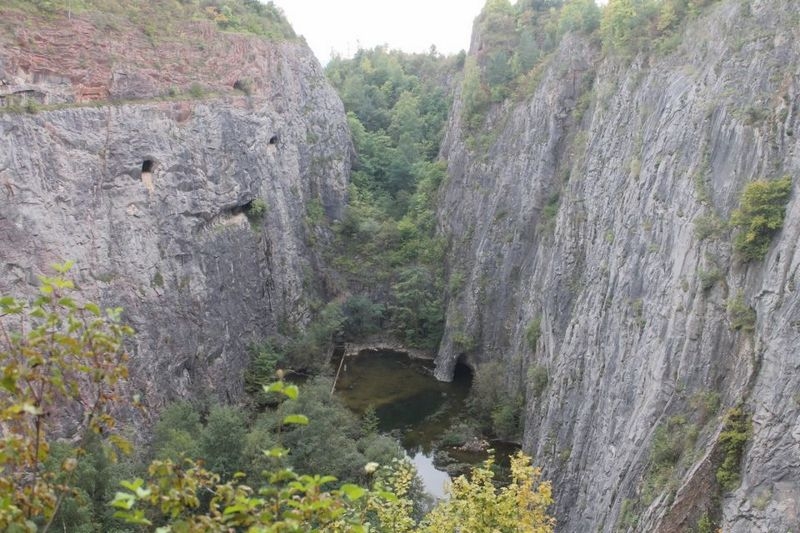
(495, 407)
(733, 441)
(533, 332)
(196, 90)
(476, 504)
(256, 210)
(458, 434)
(671, 441)
(362, 317)
(63, 361)
(507, 419)
(741, 315)
(707, 226)
(630, 26)
(265, 359)
(175, 435)
(709, 278)
(760, 216)
(579, 15)
(538, 379)
(222, 440)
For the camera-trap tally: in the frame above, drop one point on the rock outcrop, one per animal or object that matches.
(192, 212)
(585, 225)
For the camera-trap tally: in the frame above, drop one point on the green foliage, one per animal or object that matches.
(155, 18)
(671, 442)
(550, 209)
(628, 517)
(256, 210)
(396, 110)
(516, 41)
(618, 24)
(493, 406)
(631, 26)
(312, 349)
(476, 504)
(62, 360)
(538, 378)
(741, 315)
(709, 278)
(315, 213)
(331, 427)
(188, 497)
(533, 332)
(51, 484)
(705, 524)
(308, 349)
(579, 15)
(158, 280)
(760, 216)
(733, 441)
(362, 317)
(222, 440)
(261, 370)
(175, 435)
(507, 419)
(458, 434)
(708, 226)
(196, 90)
(417, 310)
(463, 342)
(704, 404)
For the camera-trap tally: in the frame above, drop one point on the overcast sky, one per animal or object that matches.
(411, 25)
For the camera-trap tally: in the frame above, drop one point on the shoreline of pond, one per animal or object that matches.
(416, 409)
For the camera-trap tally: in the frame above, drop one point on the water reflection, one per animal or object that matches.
(409, 403)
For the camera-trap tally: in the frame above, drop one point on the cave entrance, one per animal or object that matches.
(147, 174)
(462, 373)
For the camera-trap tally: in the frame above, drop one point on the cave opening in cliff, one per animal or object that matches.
(273, 140)
(462, 370)
(243, 208)
(147, 174)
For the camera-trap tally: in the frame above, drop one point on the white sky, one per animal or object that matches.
(409, 25)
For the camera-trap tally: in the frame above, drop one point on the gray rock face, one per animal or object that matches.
(149, 199)
(633, 325)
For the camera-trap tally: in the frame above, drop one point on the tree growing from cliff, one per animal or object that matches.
(760, 216)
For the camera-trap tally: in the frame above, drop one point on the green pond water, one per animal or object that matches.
(411, 405)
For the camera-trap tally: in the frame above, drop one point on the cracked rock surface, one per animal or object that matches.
(631, 328)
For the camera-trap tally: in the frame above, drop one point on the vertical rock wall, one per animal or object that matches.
(150, 199)
(633, 327)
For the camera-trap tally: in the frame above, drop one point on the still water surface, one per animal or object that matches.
(409, 403)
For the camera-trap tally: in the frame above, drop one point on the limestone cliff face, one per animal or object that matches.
(150, 197)
(631, 328)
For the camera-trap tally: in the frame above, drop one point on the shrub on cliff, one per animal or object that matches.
(760, 216)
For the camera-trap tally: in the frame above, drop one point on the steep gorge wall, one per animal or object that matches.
(631, 331)
(173, 246)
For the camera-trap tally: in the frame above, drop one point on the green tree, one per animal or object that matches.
(222, 440)
(579, 15)
(476, 504)
(176, 434)
(362, 316)
(618, 24)
(63, 361)
(760, 216)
